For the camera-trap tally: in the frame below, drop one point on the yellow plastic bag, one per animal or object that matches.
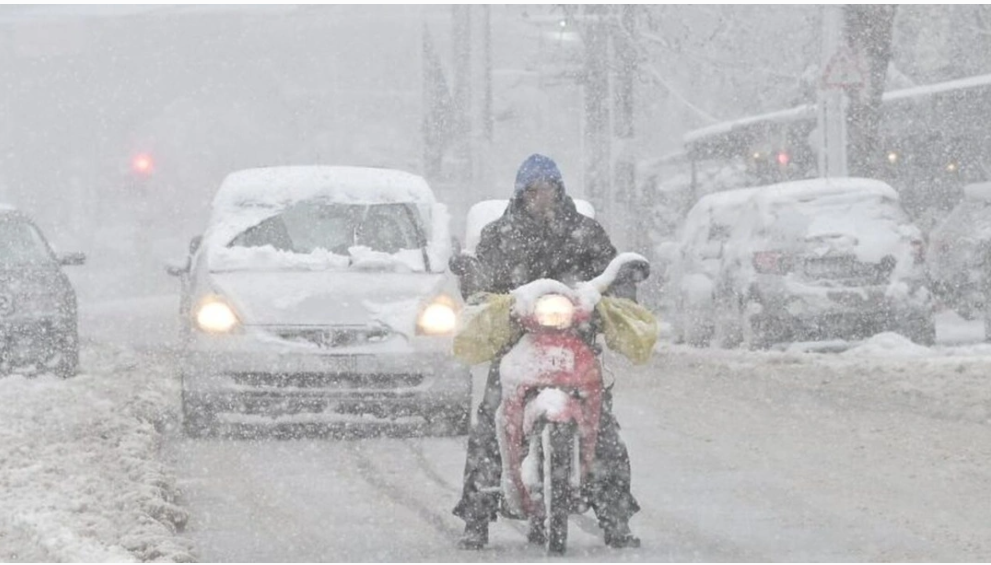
(486, 328)
(630, 329)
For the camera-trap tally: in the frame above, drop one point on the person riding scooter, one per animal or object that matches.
(541, 236)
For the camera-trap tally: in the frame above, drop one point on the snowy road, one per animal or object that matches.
(736, 456)
(877, 454)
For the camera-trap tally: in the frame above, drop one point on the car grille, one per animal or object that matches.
(328, 338)
(328, 380)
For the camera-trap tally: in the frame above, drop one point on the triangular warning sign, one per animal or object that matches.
(843, 70)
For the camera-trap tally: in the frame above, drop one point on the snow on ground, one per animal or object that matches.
(80, 471)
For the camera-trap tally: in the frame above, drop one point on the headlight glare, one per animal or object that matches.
(439, 318)
(215, 316)
(554, 311)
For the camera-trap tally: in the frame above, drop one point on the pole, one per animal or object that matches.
(596, 85)
(623, 126)
(462, 90)
(831, 117)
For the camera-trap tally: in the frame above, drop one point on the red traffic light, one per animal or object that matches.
(143, 164)
(783, 159)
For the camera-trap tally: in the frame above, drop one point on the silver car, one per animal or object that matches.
(321, 295)
(38, 314)
(694, 262)
(824, 259)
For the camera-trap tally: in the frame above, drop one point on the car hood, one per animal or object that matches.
(328, 298)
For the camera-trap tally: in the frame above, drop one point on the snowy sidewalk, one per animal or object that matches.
(80, 471)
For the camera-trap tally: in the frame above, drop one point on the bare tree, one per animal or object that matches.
(868, 29)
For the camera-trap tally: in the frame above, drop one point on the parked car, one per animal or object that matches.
(823, 259)
(693, 264)
(38, 316)
(956, 253)
(322, 295)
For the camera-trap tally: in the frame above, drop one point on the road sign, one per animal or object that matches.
(843, 70)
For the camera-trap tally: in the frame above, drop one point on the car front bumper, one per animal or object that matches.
(240, 379)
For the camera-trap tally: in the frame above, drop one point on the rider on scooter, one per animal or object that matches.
(541, 236)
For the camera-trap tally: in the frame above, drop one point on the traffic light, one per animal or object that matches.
(142, 164)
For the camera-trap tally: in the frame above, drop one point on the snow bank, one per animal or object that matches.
(80, 477)
(890, 344)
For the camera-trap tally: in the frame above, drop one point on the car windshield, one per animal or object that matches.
(310, 226)
(22, 243)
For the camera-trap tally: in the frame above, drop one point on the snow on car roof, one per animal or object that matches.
(978, 191)
(812, 188)
(725, 198)
(248, 197)
(277, 187)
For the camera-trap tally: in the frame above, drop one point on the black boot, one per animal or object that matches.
(476, 535)
(619, 536)
(537, 533)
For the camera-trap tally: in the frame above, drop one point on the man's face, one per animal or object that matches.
(540, 199)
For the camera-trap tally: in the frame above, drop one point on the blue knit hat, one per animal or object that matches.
(538, 168)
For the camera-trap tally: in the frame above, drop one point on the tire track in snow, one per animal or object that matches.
(371, 475)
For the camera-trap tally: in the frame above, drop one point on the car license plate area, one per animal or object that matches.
(558, 359)
(340, 364)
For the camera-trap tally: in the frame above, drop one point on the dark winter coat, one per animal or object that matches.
(517, 249)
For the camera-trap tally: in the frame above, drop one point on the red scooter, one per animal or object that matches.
(552, 398)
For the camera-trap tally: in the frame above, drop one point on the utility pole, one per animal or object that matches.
(626, 194)
(461, 17)
(487, 74)
(597, 154)
(831, 119)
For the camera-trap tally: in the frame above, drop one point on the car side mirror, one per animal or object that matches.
(194, 244)
(71, 259)
(177, 268)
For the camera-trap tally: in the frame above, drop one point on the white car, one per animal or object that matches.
(321, 295)
(823, 259)
(694, 261)
(957, 252)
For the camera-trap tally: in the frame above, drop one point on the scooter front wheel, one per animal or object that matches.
(558, 448)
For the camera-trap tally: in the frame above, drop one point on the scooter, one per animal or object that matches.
(552, 398)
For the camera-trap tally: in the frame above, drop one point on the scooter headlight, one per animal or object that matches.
(214, 315)
(554, 311)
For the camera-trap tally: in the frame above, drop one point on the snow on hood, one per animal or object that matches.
(321, 298)
(268, 258)
(246, 198)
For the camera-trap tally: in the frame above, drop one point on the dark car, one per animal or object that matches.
(37, 302)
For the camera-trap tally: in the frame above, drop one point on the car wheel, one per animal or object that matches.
(753, 328)
(68, 355)
(923, 330)
(452, 421)
(197, 420)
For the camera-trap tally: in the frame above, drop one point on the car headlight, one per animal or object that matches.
(554, 311)
(213, 315)
(438, 318)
